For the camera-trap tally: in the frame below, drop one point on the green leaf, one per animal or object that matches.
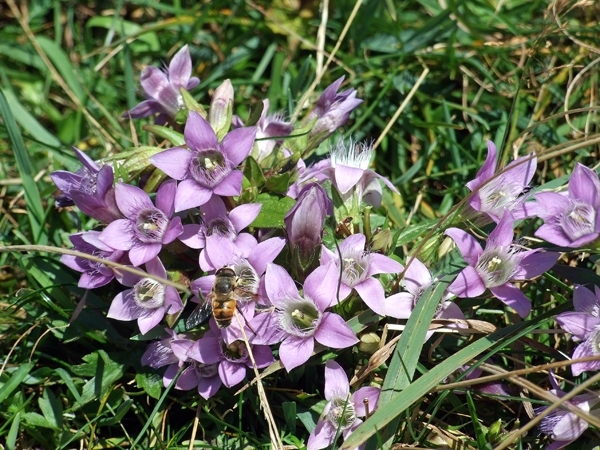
(273, 211)
(412, 232)
(169, 134)
(26, 169)
(14, 381)
(11, 438)
(151, 383)
(51, 408)
(119, 414)
(289, 413)
(257, 109)
(63, 64)
(64, 375)
(128, 28)
(278, 183)
(106, 372)
(253, 173)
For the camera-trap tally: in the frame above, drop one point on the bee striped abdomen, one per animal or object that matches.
(223, 311)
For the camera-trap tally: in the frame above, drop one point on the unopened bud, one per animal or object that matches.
(221, 109)
(382, 241)
(369, 343)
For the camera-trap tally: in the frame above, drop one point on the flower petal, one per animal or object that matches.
(321, 286)
(231, 373)
(264, 253)
(124, 307)
(198, 134)
(180, 68)
(231, 185)
(207, 387)
(118, 235)
(371, 394)
(534, 264)
(131, 199)
(468, 284)
(372, 293)
(336, 381)
(244, 215)
(237, 144)
(334, 332)
(580, 325)
(165, 197)
(279, 285)
(190, 195)
(468, 246)
(513, 297)
(295, 351)
(322, 436)
(174, 162)
(141, 253)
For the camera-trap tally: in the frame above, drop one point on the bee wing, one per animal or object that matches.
(199, 314)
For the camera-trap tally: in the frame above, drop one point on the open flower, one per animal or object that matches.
(209, 166)
(358, 268)
(584, 325)
(299, 320)
(146, 227)
(148, 300)
(232, 358)
(94, 273)
(343, 410)
(90, 189)
(164, 88)
(571, 220)
(417, 279)
(562, 426)
(504, 191)
(500, 263)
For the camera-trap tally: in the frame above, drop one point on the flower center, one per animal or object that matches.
(205, 370)
(497, 266)
(342, 413)
(357, 155)
(208, 168)
(219, 227)
(149, 294)
(300, 318)
(151, 225)
(355, 269)
(88, 181)
(579, 220)
(234, 352)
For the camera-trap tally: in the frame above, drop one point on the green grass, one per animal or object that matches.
(505, 71)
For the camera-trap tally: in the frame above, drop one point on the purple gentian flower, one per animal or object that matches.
(417, 279)
(216, 221)
(204, 377)
(94, 274)
(268, 126)
(331, 111)
(350, 174)
(307, 175)
(148, 300)
(232, 358)
(210, 165)
(164, 89)
(571, 220)
(160, 353)
(497, 265)
(503, 192)
(562, 426)
(584, 325)
(299, 320)
(304, 224)
(358, 268)
(90, 189)
(146, 227)
(343, 410)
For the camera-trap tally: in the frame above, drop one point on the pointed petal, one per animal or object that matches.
(487, 170)
(467, 284)
(584, 300)
(174, 229)
(400, 305)
(503, 234)
(334, 332)
(231, 185)
(267, 326)
(238, 143)
(417, 276)
(336, 381)
(142, 109)
(295, 351)
(279, 285)
(207, 387)
(321, 286)
(372, 293)
(584, 185)
(244, 215)
(141, 253)
(231, 373)
(347, 177)
(191, 237)
(165, 197)
(180, 68)
(513, 297)
(586, 348)
(383, 264)
(198, 134)
(118, 234)
(206, 350)
(371, 394)
(220, 251)
(322, 436)
(468, 246)
(535, 264)
(580, 325)
(174, 162)
(190, 195)
(131, 199)
(264, 253)
(124, 307)
(149, 321)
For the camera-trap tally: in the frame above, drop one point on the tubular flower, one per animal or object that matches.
(497, 265)
(232, 358)
(343, 410)
(562, 426)
(94, 273)
(358, 268)
(146, 227)
(299, 320)
(584, 325)
(163, 88)
(90, 189)
(209, 166)
(571, 220)
(502, 192)
(148, 300)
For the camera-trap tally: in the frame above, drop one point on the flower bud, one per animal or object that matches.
(221, 109)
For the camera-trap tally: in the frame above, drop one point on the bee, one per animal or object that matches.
(230, 287)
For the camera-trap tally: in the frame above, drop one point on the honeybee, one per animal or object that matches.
(230, 287)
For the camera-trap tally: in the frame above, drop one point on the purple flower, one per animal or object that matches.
(210, 165)
(503, 192)
(163, 88)
(358, 268)
(160, 353)
(299, 320)
(562, 426)
(204, 377)
(331, 111)
(417, 279)
(148, 300)
(497, 265)
(584, 325)
(90, 189)
(351, 176)
(216, 221)
(146, 227)
(571, 220)
(94, 274)
(307, 175)
(304, 225)
(232, 358)
(343, 410)
(268, 126)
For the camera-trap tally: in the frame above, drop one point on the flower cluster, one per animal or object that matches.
(279, 281)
